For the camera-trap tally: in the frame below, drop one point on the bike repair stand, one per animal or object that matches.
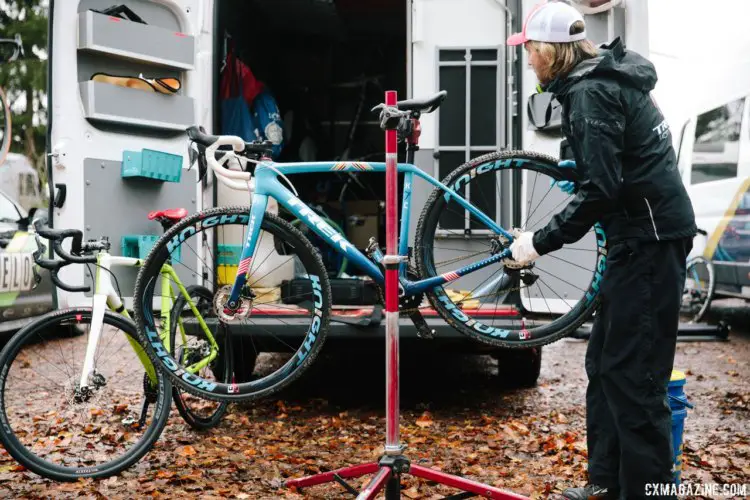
(393, 464)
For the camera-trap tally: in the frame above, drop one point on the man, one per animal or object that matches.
(631, 185)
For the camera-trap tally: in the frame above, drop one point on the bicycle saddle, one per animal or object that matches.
(174, 214)
(425, 104)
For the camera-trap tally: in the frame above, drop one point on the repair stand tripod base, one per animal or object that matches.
(393, 464)
(388, 474)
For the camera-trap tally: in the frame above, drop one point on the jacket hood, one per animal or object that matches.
(613, 62)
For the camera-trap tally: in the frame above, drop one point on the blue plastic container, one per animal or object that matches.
(139, 245)
(679, 404)
(152, 164)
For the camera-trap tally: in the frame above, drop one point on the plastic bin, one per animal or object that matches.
(152, 164)
(678, 402)
(138, 246)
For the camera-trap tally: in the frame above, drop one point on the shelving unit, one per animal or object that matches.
(119, 47)
(135, 41)
(126, 106)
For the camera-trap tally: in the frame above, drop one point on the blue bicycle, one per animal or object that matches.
(272, 292)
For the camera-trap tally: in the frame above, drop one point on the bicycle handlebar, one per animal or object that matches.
(57, 236)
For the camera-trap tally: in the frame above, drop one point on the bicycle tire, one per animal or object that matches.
(7, 126)
(698, 316)
(165, 362)
(545, 334)
(52, 471)
(194, 420)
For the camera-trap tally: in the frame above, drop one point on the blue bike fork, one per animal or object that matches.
(257, 211)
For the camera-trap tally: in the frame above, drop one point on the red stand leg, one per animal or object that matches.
(393, 463)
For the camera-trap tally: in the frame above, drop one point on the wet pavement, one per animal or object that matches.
(456, 416)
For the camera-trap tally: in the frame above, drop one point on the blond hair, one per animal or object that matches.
(560, 58)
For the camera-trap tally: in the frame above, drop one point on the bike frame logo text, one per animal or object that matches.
(315, 220)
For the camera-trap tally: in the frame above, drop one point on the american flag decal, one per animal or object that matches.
(352, 165)
(450, 276)
(244, 266)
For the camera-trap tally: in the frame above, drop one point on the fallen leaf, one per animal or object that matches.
(186, 451)
(425, 420)
(412, 492)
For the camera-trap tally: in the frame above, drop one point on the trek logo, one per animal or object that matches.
(662, 130)
(320, 224)
(250, 228)
(312, 334)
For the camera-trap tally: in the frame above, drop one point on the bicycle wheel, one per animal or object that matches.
(199, 413)
(5, 126)
(55, 430)
(286, 302)
(700, 283)
(500, 306)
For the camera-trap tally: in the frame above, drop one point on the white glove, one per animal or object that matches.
(522, 249)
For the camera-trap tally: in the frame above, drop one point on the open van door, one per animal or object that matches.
(125, 82)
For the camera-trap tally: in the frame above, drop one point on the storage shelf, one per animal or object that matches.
(135, 41)
(127, 106)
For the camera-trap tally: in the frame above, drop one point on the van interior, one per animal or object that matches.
(326, 63)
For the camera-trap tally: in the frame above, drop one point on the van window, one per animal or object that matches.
(717, 143)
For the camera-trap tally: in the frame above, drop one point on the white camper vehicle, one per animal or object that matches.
(326, 63)
(714, 160)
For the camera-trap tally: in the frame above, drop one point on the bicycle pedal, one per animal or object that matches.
(423, 330)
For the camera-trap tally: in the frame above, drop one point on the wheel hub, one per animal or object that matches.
(225, 312)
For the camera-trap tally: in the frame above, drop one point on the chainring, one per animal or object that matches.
(406, 303)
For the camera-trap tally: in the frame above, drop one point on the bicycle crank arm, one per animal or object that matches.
(423, 330)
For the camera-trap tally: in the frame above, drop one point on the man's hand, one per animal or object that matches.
(567, 187)
(522, 249)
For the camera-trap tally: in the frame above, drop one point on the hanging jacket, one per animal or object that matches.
(625, 163)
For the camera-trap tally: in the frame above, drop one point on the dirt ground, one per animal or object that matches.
(456, 417)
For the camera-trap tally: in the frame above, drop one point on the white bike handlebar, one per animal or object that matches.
(231, 178)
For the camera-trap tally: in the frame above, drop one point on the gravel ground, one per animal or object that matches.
(456, 417)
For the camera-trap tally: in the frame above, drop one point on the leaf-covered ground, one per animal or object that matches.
(456, 417)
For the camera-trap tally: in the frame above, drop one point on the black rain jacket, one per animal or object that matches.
(625, 162)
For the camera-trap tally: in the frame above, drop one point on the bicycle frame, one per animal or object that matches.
(106, 297)
(267, 185)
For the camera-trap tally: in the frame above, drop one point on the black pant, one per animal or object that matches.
(629, 362)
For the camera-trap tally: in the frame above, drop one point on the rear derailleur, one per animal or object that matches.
(513, 269)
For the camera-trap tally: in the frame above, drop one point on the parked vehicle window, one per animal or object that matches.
(716, 148)
(8, 210)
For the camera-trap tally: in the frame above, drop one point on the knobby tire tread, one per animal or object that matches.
(55, 472)
(268, 218)
(548, 165)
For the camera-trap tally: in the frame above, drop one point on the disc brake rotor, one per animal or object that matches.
(227, 314)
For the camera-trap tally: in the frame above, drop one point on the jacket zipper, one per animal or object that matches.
(651, 214)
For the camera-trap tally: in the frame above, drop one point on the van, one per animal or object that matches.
(325, 64)
(714, 161)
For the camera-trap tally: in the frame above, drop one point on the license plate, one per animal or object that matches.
(16, 273)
